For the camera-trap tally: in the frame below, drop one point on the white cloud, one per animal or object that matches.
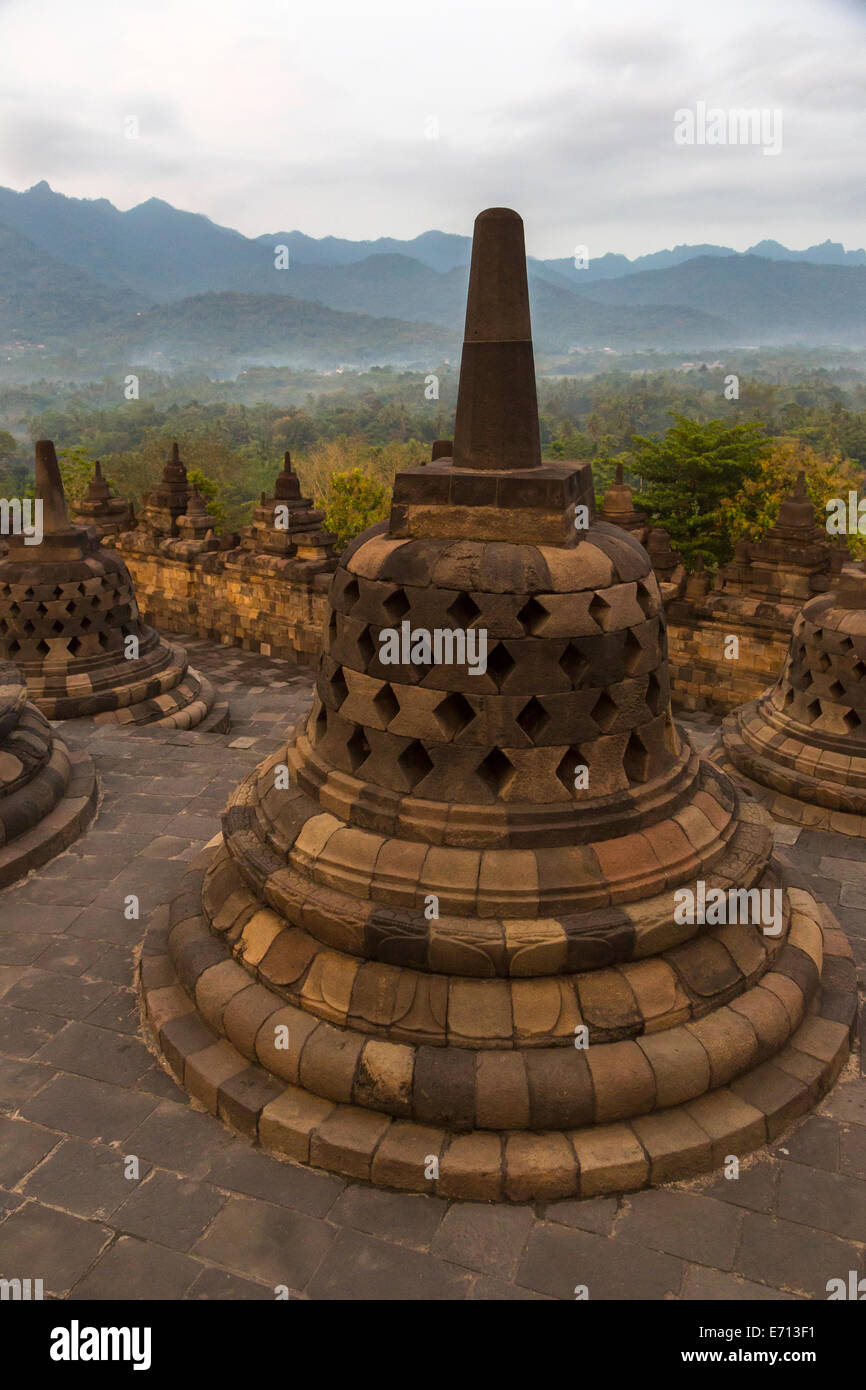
(276, 114)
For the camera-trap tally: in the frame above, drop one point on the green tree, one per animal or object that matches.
(211, 492)
(354, 502)
(691, 474)
(76, 470)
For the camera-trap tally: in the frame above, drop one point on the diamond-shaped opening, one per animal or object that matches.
(29, 627)
(86, 624)
(57, 591)
(789, 697)
(574, 664)
(500, 663)
(632, 653)
(837, 690)
(599, 609)
(813, 711)
(852, 720)
(70, 607)
(387, 704)
(604, 712)
(533, 718)
(818, 635)
(453, 714)
(57, 627)
(822, 662)
(103, 640)
(496, 771)
(366, 646)
(358, 748)
(28, 593)
(463, 611)
(859, 670)
(338, 686)
(571, 760)
(396, 606)
(41, 610)
(74, 645)
(636, 758)
(646, 599)
(15, 647)
(654, 694)
(846, 645)
(351, 592)
(532, 616)
(415, 763)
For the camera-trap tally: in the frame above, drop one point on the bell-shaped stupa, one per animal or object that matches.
(801, 746)
(47, 793)
(70, 622)
(440, 947)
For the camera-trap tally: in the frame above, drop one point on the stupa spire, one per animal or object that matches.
(497, 407)
(49, 487)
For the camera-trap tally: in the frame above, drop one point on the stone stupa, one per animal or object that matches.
(618, 509)
(286, 525)
(47, 793)
(801, 746)
(438, 948)
(100, 508)
(70, 622)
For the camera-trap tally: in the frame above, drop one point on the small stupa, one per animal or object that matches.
(168, 500)
(618, 506)
(286, 524)
(100, 508)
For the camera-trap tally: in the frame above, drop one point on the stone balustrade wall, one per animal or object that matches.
(261, 604)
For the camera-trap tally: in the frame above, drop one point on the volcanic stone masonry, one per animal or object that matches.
(265, 590)
(420, 914)
(801, 747)
(757, 599)
(47, 794)
(618, 508)
(67, 614)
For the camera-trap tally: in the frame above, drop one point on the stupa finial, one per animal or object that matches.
(49, 487)
(497, 407)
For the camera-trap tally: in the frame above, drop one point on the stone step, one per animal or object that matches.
(680, 1141)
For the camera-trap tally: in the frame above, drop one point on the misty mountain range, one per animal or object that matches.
(160, 286)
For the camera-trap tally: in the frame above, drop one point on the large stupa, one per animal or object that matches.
(439, 947)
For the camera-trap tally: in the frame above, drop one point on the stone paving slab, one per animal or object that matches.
(209, 1217)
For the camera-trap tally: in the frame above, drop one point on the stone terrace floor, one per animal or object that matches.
(210, 1217)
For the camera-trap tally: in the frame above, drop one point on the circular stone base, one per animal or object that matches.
(790, 810)
(62, 825)
(664, 1145)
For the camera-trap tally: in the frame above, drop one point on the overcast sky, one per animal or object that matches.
(269, 115)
